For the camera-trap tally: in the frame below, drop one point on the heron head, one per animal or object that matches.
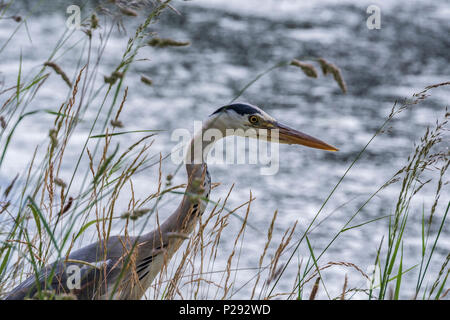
(250, 121)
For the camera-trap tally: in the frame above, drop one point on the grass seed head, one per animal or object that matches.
(94, 21)
(308, 69)
(59, 182)
(162, 43)
(113, 77)
(116, 123)
(329, 68)
(129, 12)
(53, 134)
(146, 80)
(2, 122)
(134, 214)
(59, 71)
(314, 290)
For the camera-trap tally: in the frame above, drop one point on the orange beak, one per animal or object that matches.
(288, 135)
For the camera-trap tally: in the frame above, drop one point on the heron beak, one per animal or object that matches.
(288, 135)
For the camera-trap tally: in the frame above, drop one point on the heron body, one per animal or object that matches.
(124, 267)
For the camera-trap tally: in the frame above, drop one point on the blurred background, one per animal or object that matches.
(232, 42)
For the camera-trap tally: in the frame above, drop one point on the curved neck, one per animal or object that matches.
(199, 182)
(183, 219)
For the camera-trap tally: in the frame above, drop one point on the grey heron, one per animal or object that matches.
(125, 267)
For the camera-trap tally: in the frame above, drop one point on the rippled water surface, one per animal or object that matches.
(233, 41)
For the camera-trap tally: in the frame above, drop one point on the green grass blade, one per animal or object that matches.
(19, 76)
(311, 251)
(399, 276)
(8, 139)
(364, 223)
(36, 219)
(105, 165)
(423, 231)
(441, 288)
(421, 277)
(88, 224)
(121, 133)
(46, 226)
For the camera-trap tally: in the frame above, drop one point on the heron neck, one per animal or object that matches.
(199, 182)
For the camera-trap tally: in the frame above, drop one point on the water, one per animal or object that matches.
(231, 43)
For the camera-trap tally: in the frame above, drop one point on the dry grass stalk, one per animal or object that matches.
(116, 122)
(285, 240)
(437, 85)
(218, 226)
(8, 101)
(314, 290)
(4, 206)
(344, 288)
(266, 246)
(197, 249)
(11, 185)
(230, 258)
(176, 278)
(341, 263)
(209, 282)
(444, 294)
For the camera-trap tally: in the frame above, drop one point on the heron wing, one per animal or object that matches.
(78, 278)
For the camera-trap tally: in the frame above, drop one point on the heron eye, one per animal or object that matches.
(253, 119)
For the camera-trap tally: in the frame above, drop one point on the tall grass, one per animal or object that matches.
(43, 217)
